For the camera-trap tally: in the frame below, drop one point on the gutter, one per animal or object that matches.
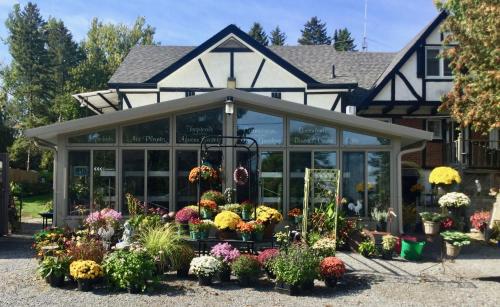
(400, 180)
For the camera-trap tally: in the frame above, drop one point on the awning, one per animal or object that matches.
(100, 102)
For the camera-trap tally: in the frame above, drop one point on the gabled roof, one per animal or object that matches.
(407, 135)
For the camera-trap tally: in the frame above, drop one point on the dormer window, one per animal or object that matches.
(435, 65)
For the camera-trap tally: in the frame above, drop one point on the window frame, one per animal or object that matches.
(440, 124)
(441, 62)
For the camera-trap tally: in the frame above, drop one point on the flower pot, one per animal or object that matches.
(133, 289)
(246, 281)
(331, 281)
(452, 251)
(226, 235)
(85, 285)
(246, 236)
(269, 273)
(284, 288)
(183, 229)
(55, 280)
(246, 215)
(307, 285)
(225, 274)
(258, 236)
(206, 214)
(194, 235)
(204, 280)
(183, 272)
(203, 234)
(269, 231)
(387, 254)
(297, 219)
(381, 226)
(431, 228)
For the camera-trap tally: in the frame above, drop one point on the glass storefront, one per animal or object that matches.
(104, 178)
(78, 181)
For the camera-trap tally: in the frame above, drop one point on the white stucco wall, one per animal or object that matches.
(385, 93)
(323, 101)
(217, 66)
(141, 99)
(297, 97)
(437, 89)
(166, 96)
(246, 65)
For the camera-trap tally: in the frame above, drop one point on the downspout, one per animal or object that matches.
(400, 180)
(51, 146)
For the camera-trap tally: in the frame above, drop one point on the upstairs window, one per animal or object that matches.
(434, 126)
(435, 65)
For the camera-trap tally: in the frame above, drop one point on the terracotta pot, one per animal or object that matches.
(452, 251)
(431, 228)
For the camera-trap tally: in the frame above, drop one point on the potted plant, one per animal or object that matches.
(388, 244)
(85, 272)
(245, 230)
(180, 259)
(455, 203)
(204, 228)
(331, 270)
(204, 172)
(53, 270)
(380, 216)
(207, 208)
(454, 242)
(258, 230)
(325, 247)
(226, 222)
(266, 258)
(194, 228)
(247, 269)
(205, 268)
(214, 196)
(480, 219)
(269, 217)
(129, 270)
(367, 249)
(432, 222)
(183, 216)
(296, 215)
(226, 254)
(246, 210)
(295, 269)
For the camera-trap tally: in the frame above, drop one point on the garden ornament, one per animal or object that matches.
(128, 232)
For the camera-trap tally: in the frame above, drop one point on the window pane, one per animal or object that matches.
(434, 126)
(78, 181)
(325, 159)
(155, 132)
(264, 128)
(432, 64)
(379, 180)
(447, 68)
(104, 179)
(352, 138)
(158, 177)
(133, 175)
(272, 179)
(299, 161)
(99, 137)
(192, 127)
(302, 133)
(185, 191)
(353, 178)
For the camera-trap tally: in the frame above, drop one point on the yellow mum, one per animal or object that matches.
(85, 269)
(227, 220)
(268, 215)
(444, 175)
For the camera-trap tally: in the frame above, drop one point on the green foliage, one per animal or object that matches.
(388, 242)
(342, 40)
(475, 27)
(379, 215)
(312, 237)
(129, 270)
(246, 267)
(296, 265)
(431, 217)
(456, 238)
(142, 222)
(314, 33)
(277, 37)
(258, 33)
(367, 248)
(53, 266)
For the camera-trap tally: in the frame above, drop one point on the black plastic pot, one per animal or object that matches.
(387, 254)
(246, 281)
(55, 280)
(307, 285)
(204, 280)
(331, 282)
(293, 290)
(85, 285)
(133, 289)
(183, 272)
(269, 274)
(225, 274)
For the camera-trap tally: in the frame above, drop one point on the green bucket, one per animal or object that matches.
(412, 250)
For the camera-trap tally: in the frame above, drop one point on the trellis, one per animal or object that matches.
(321, 188)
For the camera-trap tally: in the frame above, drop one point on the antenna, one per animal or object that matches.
(365, 43)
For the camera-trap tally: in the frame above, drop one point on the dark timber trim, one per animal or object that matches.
(424, 89)
(336, 102)
(90, 105)
(393, 88)
(257, 74)
(231, 65)
(305, 98)
(107, 101)
(409, 86)
(127, 101)
(183, 89)
(157, 97)
(387, 109)
(332, 86)
(205, 73)
(231, 50)
(132, 85)
(438, 80)
(271, 89)
(412, 109)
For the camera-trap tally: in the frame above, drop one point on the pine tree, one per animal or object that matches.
(277, 37)
(342, 40)
(314, 33)
(257, 32)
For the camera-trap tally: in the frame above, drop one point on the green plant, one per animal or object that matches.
(53, 266)
(142, 222)
(85, 249)
(296, 265)
(246, 267)
(379, 215)
(215, 196)
(367, 248)
(431, 217)
(388, 242)
(129, 270)
(312, 237)
(456, 238)
(180, 256)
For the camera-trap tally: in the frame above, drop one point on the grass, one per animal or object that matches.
(34, 205)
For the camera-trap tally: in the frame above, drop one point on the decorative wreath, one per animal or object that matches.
(240, 175)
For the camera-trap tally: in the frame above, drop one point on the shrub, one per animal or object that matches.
(227, 220)
(205, 266)
(367, 248)
(129, 270)
(246, 267)
(53, 266)
(332, 267)
(85, 269)
(296, 265)
(266, 257)
(480, 219)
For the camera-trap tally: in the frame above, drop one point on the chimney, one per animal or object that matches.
(333, 72)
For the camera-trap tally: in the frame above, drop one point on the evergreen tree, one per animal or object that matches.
(257, 32)
(314, 33)
(342, 40)
(5, 132)
(277, 37)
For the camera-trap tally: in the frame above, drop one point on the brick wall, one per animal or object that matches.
(416, 157)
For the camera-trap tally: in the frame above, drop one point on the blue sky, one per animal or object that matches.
(390, 24)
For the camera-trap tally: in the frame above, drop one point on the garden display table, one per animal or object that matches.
(45, 218)
(251, 247)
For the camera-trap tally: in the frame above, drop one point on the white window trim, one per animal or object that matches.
(440, 124)
(441, 64)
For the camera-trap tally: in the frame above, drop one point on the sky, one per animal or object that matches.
(390, 23)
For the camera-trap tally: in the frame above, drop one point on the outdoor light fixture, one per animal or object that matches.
(229, 105)
(82, 104)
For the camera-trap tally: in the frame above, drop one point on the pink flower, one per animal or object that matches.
(225, 252)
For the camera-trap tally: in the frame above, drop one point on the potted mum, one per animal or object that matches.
(444, 176)
(265, 259)
(432, 222)
(226, 254)
(226, 222)
(269, 217)
(331, 270)
(247, 269)
(296, 215)
(85, 272)
(388, 244)
(455, 203)
(183, 216)
(53, 270)
(454, 242)
(207, 208)
(214, 196)
(325, 247)
(194, 228)
(480, 219)
(246, 210)
(245, 230)
(258, 230)
(205, 268)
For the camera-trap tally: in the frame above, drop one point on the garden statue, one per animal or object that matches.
(106, 233)
(356, 208)
(125, 241)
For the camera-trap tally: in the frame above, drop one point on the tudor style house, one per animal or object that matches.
(306, 106)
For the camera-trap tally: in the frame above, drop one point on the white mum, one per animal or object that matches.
(454, 199)
(206, 266)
